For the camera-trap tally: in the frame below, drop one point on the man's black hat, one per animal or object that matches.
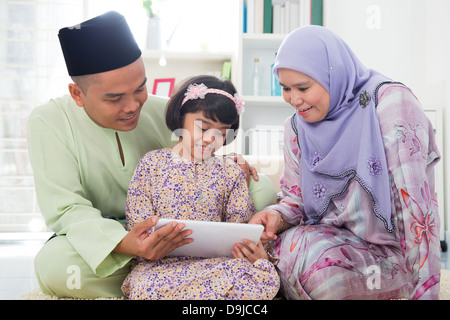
(97, 45)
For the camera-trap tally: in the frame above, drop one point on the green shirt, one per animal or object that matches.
(80, 178)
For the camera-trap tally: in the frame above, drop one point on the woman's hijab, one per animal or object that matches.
(347, 144)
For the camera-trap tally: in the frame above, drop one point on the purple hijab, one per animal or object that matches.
(347, 145)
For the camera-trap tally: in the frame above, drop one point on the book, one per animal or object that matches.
(268, 28)
(276, 18)
(294, 16)
(291, 14)
(250, 17)
(317, 12)
(267, 16)
(287, 16)
(259, 16)
(304, 12)
(244, 17)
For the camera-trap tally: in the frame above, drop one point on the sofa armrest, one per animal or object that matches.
(270, 166)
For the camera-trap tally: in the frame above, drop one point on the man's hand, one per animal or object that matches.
(158, 244)
(246, 168)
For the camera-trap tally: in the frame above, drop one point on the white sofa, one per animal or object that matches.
(271, 166)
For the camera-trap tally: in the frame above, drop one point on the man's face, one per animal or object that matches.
(115, 98)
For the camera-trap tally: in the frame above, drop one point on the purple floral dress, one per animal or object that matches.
(169, 186)
(350, 254)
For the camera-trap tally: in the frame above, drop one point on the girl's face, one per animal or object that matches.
(201, 136)
(305, 94)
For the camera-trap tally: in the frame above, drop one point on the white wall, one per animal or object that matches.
(408, 41)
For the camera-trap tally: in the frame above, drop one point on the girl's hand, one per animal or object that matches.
(250, 251)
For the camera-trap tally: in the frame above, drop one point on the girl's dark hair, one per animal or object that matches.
(216, 107)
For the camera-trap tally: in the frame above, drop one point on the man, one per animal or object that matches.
(84, 149)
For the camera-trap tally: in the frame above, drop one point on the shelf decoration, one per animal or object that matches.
(153, 24)
(163, 87)
(226, 70)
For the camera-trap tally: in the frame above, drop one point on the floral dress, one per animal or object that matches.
(169, 186)
(349, 254)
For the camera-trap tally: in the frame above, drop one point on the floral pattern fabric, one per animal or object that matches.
(167, 185)
(349, 254)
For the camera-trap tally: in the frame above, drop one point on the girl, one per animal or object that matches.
(189, 182)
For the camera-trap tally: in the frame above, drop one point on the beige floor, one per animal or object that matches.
(17, 272)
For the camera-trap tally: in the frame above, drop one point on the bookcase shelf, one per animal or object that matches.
(262, 40)
(180, 65)
(182, 57)
(263, 111)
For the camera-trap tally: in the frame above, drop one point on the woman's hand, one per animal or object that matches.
(246, 168)
(250, 251)
(158, 244)
(271, 221)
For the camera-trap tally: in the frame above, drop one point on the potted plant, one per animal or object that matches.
(152, 8)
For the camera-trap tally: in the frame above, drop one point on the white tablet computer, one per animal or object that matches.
(214, 239)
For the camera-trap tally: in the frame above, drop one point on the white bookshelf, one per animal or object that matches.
(263, 113)
(180, 65)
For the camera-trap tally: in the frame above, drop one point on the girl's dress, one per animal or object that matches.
(349, 254)
(169, 186)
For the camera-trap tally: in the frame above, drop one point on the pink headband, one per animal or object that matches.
(196, 91)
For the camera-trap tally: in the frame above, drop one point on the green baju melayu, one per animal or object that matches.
(81, 185)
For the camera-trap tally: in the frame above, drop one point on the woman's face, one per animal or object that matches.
(305, 94)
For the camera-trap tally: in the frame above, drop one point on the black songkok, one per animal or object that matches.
(101, 44)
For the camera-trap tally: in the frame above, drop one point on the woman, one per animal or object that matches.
(356, 217)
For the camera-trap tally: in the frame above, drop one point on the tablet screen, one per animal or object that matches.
(214, 239)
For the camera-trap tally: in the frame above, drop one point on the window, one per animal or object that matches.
(31, 70)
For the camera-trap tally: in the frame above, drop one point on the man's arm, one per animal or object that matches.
(62, 198)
